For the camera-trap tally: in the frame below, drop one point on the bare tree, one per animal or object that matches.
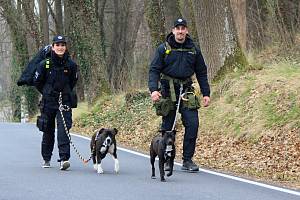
(12, 13)
(142, 53)
(256, 13)
(127, 19)
(5, 59)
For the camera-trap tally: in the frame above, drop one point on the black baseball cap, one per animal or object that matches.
(180, 22)
(59, 39)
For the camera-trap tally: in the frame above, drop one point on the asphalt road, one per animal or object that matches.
(22, 178)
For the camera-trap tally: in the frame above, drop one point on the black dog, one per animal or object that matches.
(104, 142)
(163, 146)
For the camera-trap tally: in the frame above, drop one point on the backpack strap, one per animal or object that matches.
(191, 50)
(168, 48)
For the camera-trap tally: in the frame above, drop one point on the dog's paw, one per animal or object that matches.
(169, 174)
(162, 179)
(99, 169)
(117, 166)
(95, 167)
(153, 177)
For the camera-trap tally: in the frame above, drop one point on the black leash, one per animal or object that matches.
(67, 108)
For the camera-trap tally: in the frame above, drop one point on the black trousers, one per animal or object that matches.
(190, 121)
(62, 138)
(189, 118)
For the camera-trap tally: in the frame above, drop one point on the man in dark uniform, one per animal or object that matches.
(174, 63)
(56, 77)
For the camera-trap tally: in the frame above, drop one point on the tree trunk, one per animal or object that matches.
(59, 17)
(186, 8)
(43, 8)
(217, 35)
(84, 35)
(80, 83)
(156, 22)
(239, 16)
(171, 12)
(100, 8)
(34, 32)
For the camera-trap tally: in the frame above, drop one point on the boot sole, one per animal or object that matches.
(189, 170)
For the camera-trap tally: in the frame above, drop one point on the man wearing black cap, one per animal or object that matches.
(55, 79)
(174, 63)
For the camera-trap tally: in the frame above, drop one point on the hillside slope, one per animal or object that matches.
(251, 128)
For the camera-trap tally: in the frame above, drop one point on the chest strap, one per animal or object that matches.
(169, 49)
(173, 81)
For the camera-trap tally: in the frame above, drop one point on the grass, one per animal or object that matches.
(268, 93)
(82, 108)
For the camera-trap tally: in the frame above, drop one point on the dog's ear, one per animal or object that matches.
(101, 130)
(116, 131)
(162, 132)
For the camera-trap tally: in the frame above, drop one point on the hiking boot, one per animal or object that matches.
(189, 165)
(167, 166)
(64, 165)
(46, 164)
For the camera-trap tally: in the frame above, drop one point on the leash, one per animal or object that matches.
(178, 105)
(67, 108)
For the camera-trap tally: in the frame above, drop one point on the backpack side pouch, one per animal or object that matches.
(191, 101)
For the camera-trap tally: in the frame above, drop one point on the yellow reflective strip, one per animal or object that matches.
(47, 64)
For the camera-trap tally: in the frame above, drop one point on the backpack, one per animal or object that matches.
(27, 75)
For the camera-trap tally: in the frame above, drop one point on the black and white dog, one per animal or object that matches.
(104, 142)
(163, 146)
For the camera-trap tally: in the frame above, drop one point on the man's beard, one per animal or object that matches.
(180, 38)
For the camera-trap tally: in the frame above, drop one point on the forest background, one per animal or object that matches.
(250, 46)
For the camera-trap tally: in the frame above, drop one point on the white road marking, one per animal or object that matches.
(212, 172)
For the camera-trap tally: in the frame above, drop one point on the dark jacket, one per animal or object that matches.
(60, 76)
(27, 75)
(178, 64)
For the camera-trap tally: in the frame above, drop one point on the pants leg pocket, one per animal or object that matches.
(42, 122)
